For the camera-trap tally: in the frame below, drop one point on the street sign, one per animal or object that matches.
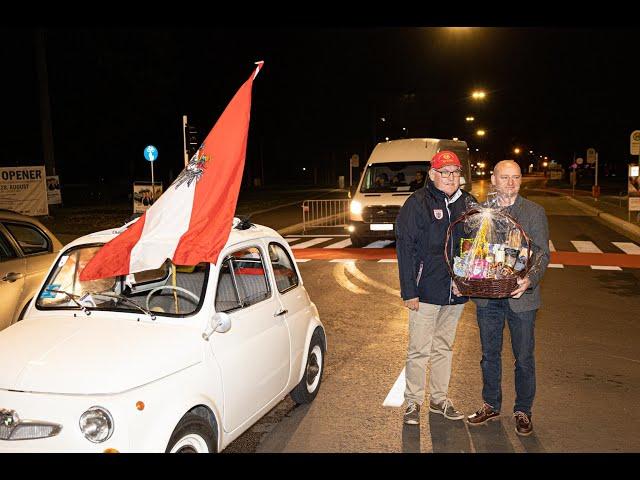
(151, 153)
(579, 160)
(355, 160)
(635, 142)
(591, 155)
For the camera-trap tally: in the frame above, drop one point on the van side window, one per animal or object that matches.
(283, 269)
(242, 281)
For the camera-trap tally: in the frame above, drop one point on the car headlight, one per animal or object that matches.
(96, 424)
(356, 207)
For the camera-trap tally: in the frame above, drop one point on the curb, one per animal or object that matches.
(607, 217)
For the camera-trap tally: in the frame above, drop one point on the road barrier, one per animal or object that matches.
(325, 213)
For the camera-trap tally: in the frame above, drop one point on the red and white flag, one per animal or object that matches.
(191, 222)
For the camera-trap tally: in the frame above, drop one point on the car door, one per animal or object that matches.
(12, 273)
(254, 355)
(293, 298)
(37, 249)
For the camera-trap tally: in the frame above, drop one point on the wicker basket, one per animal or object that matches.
(487, 287)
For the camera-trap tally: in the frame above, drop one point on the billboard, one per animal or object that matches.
(143, 197)
(24, 190)
(54, 197)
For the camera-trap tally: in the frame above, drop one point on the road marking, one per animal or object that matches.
(388, 260)
(628, 247)
(395, 397)
(291, 239)
(556, 265)
(344, 282)
(379, 244)
(585, 246)
(309, 243)
(316, 236)
(551, 247)
(340, 244)
(302, 260)
(343, 260)
(603, 267)
(353, 270)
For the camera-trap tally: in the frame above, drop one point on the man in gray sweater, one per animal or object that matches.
(519, 310)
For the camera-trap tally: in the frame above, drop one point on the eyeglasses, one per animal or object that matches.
(447, 174)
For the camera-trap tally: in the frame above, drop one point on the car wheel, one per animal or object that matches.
(357, 242)
(193, 434)
(309, 385)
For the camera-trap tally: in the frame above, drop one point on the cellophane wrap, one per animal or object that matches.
(493, 245)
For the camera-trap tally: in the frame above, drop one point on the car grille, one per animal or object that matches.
(379, 214)
(12, 428)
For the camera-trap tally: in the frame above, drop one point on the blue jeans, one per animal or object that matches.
(521, 326)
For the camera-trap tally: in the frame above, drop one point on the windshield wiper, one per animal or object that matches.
(72, 297)
(128, 300)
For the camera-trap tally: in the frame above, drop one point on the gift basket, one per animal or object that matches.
(494, 252)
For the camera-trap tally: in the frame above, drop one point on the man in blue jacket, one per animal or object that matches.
(426, 287)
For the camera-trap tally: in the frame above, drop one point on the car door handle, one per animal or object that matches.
(12, 277)
(281, 312)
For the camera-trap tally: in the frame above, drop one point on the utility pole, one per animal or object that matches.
(45, 105)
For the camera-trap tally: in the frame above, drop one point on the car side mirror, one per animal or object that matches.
(220, 322)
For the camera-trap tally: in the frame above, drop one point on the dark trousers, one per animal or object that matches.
(521, 326)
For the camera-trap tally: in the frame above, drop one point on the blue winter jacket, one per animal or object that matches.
(421, 229)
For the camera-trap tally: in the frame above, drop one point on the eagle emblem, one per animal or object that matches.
(437, 212)
(194, 169)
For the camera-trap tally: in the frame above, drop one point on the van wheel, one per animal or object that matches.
(193, 434)
(309, 385)
(357, 242)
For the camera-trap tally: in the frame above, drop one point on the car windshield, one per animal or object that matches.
(394, 177)
(171, 290)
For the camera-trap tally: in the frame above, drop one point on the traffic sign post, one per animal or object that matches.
(353, 162)
(151, 154)
(592, 157)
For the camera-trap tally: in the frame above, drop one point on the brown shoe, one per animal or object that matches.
(481, 416)
(524, 426)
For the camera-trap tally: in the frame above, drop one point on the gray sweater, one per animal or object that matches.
(534, 222)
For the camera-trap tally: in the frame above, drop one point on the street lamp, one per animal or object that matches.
(478, 95)
(470, 119)
(406, 131)
(516, 150)
(480, 133)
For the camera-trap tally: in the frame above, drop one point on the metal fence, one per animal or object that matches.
(325, 213)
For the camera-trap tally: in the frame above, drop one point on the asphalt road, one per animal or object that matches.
(588, 363)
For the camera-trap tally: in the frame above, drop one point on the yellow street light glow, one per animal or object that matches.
(516, 150)
(546, 158)
(480, 133)
(544, 164)
(531, 152)
(470, 119)
(478, 95)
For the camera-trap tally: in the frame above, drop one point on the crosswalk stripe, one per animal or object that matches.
(551, 247)
(628, 247)
(292, 239)
(585, 246)
(302, 260)
(388, 260)
(343, 260)
(309, 243)
(379, 244)
(395, 397)
(340, 244)
(556, 265)
(604, 267)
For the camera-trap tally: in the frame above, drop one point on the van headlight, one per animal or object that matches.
(96, 424)
(356, 207)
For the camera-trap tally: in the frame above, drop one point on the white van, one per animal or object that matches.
(393, 172)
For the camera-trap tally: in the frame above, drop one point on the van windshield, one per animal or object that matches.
(394, 177)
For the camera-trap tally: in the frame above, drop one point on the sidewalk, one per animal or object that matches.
(610, 208)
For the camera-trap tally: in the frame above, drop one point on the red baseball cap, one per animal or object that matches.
(444, 158)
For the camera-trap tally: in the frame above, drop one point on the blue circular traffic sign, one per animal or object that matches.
(151, 153)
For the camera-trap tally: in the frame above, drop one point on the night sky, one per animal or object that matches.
(320, 96)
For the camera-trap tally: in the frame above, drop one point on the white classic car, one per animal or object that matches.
(178, 359)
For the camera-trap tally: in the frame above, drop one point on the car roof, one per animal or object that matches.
(255, 231)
